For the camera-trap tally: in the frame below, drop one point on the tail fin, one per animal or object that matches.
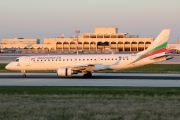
(158, 46)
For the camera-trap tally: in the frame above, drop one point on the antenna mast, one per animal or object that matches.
(77, 35)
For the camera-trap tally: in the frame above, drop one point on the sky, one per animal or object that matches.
(48, 18)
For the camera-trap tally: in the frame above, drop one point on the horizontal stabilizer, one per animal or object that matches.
(167, 56)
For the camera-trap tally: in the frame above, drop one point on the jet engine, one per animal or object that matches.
(65, 72)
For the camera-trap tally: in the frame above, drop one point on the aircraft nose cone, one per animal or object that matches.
(7, 66)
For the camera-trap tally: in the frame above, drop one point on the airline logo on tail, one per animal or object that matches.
(159, 49)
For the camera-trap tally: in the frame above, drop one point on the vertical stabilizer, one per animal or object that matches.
(158, 46)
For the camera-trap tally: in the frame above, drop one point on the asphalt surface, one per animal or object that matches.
(94, 76)
(98, 79)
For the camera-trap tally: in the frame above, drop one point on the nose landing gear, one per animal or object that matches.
(24, 73)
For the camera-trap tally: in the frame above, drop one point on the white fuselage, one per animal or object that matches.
(100, 61)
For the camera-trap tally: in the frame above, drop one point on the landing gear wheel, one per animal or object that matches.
(24, 75)
(87, 75)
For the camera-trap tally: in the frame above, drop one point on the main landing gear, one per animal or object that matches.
(87, 75)
(24, 73)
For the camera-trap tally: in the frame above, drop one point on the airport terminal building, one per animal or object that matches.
(101, 40)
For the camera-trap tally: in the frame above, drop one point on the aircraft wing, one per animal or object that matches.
(82, 67)
(87, 67)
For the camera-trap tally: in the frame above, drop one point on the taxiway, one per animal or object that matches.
(98, 79)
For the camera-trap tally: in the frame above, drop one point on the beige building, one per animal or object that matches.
(20, 41)
(99, 41)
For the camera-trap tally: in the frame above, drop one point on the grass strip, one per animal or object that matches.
(65, 90)
(89, 103)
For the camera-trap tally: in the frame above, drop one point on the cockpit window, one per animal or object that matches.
(17, 60)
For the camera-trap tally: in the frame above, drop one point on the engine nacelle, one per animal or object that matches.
(65, 72)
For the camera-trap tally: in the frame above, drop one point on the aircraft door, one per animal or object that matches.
(27, 61)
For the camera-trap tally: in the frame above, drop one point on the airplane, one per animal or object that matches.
(175, 48)
(67, 65)
(2, 50)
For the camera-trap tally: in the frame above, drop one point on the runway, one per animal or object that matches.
(98, 79)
